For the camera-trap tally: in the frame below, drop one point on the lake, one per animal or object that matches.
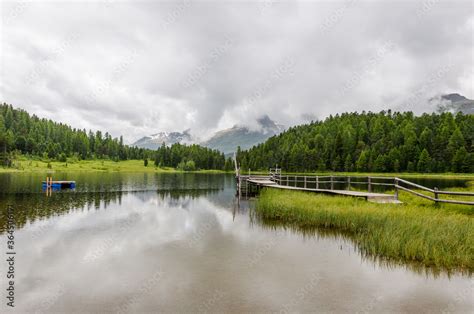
(183, 243)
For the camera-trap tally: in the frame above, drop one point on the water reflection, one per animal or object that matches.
(31, 207)
(115, 181)
(351, 245)
(188, 245)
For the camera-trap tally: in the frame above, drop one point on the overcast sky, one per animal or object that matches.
(138, 68)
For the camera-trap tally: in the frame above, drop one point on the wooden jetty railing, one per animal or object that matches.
(435, 192)
(318, 182)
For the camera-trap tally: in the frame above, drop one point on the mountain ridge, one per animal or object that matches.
(226, 140)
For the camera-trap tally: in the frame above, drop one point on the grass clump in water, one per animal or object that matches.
(439, 236)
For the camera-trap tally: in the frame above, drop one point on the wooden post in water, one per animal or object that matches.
(240, 184)
(369, 188)
(49, 186)
(247, 186)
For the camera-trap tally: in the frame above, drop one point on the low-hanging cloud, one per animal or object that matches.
(136, 68)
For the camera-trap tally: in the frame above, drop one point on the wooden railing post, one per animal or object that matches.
(369, 188)
(332, 183)
(396, 189)
(305, 182)
(436, 194)
(317, 182)
(348, 183)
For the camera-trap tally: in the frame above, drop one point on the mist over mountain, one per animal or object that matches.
(453, 103)
(169, 138)
(226, 140)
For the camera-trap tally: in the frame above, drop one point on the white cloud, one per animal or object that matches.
(120, 66)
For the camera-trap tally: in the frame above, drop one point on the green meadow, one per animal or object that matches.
(40, 165)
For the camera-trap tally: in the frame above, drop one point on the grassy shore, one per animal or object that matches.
(439, 236)
(31, 165)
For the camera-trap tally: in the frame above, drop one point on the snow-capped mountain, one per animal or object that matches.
(228, 140)
(225, 141)
(169, 138)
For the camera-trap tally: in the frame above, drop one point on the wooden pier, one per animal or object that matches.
(343, 186)
(269, 182)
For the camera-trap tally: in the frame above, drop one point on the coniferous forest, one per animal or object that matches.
(371, 142)
(27, 134)
(362, 142)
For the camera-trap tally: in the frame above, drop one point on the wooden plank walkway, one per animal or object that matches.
(291, 182)
(369, 196)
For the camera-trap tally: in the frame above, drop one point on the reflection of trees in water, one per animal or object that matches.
(30, 207)
(178, 194)
(180, 198)
(350, 243)
(117, 181)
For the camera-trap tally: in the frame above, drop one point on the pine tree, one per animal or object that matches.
(362, 164)
(459, 160)
(424, 161)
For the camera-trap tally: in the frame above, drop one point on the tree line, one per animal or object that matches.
(191, 157)
(28, 134)
(371, 142)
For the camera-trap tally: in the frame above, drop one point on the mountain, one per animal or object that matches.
(453, 103)
(227, 140)
(169, 138)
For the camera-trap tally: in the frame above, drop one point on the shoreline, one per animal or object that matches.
(96, 165)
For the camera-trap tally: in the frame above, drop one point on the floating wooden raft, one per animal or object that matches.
(49, 183)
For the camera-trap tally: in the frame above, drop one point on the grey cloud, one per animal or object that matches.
(185, 76)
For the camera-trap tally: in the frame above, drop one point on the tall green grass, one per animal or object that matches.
(440, 236)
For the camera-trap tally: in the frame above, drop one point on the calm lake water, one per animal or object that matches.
(183, 243)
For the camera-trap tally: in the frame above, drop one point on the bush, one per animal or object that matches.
(62, 157)
(187, 166)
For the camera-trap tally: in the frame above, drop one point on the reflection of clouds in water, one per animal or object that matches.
(200, 247)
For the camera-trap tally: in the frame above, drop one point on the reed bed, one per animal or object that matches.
(440, 236)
